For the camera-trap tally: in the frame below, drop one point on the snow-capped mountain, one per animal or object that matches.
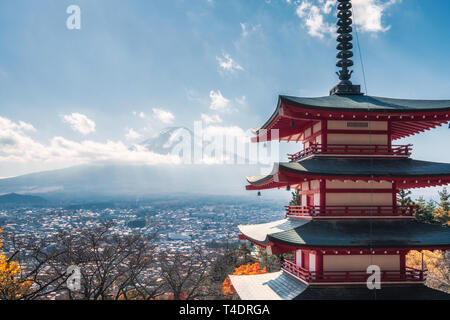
(114, 178)
(164, 141)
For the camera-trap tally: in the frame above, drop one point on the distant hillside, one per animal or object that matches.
(118, 179)
(19, 199)
(122, 179)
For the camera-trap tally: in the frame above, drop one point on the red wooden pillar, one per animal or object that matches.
(394, 196)
(319, 262)
(324, 134)
(323, 195)
(305, 259)
(389, 137)
(403, 264)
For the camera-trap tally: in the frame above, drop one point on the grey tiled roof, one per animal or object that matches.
(259, 232)
(367, 103)
(286, 286)
(355, 167)
(369, 233)
(387, 292)
(281, 286)
(270, 286)
(365, 234)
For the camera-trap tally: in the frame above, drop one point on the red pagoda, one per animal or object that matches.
(348, 176)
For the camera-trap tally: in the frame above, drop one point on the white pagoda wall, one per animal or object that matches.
(339, 184)
(360, 262)
(358, 198)
(356, 139)
(360, 138)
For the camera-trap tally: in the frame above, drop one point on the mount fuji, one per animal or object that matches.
(114, 178)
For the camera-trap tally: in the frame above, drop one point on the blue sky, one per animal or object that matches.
(138, 66)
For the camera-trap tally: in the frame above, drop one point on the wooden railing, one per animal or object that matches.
(409, 274)
(347, 149)
(351, 211)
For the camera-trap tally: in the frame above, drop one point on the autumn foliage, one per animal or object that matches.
(248, 269)
(12, 287)
(437, 266)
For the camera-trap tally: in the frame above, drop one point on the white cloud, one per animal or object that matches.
(26, 126)
(218, 101)
(319, 18)
(242, 100)
(368, 14)
(244, 29)
(231, 131)
(17, 147)
(247, 29)
(228, 64)
(328, 6)
(211, 119)
(80, 123)
(132, 134)
(314, 20)
(163, 115)
(8, 125)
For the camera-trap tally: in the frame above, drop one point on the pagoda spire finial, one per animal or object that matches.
(345, 46)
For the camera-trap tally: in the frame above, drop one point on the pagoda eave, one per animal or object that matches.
(281, 286)
(337, 237)
(406, 173)
(408, 117)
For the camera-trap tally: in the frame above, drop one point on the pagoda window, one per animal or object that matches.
(315, 185)
(307, 133)
(319, 139)
(317, 127)
(298, 258)
(312, 262)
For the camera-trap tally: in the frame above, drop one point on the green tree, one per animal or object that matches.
(445, 199)
(270, 262)
(404, 198)
(296, 198)
(442, 214)
(425, 210)
(225, 263)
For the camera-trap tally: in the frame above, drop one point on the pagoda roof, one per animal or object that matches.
(367, 103)
(405, 170)
(349, 234)
(387, 292)
(281, 286)
(408, 116)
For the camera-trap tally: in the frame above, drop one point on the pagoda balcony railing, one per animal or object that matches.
(350, 149)
(351, 211)
(409, 274)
